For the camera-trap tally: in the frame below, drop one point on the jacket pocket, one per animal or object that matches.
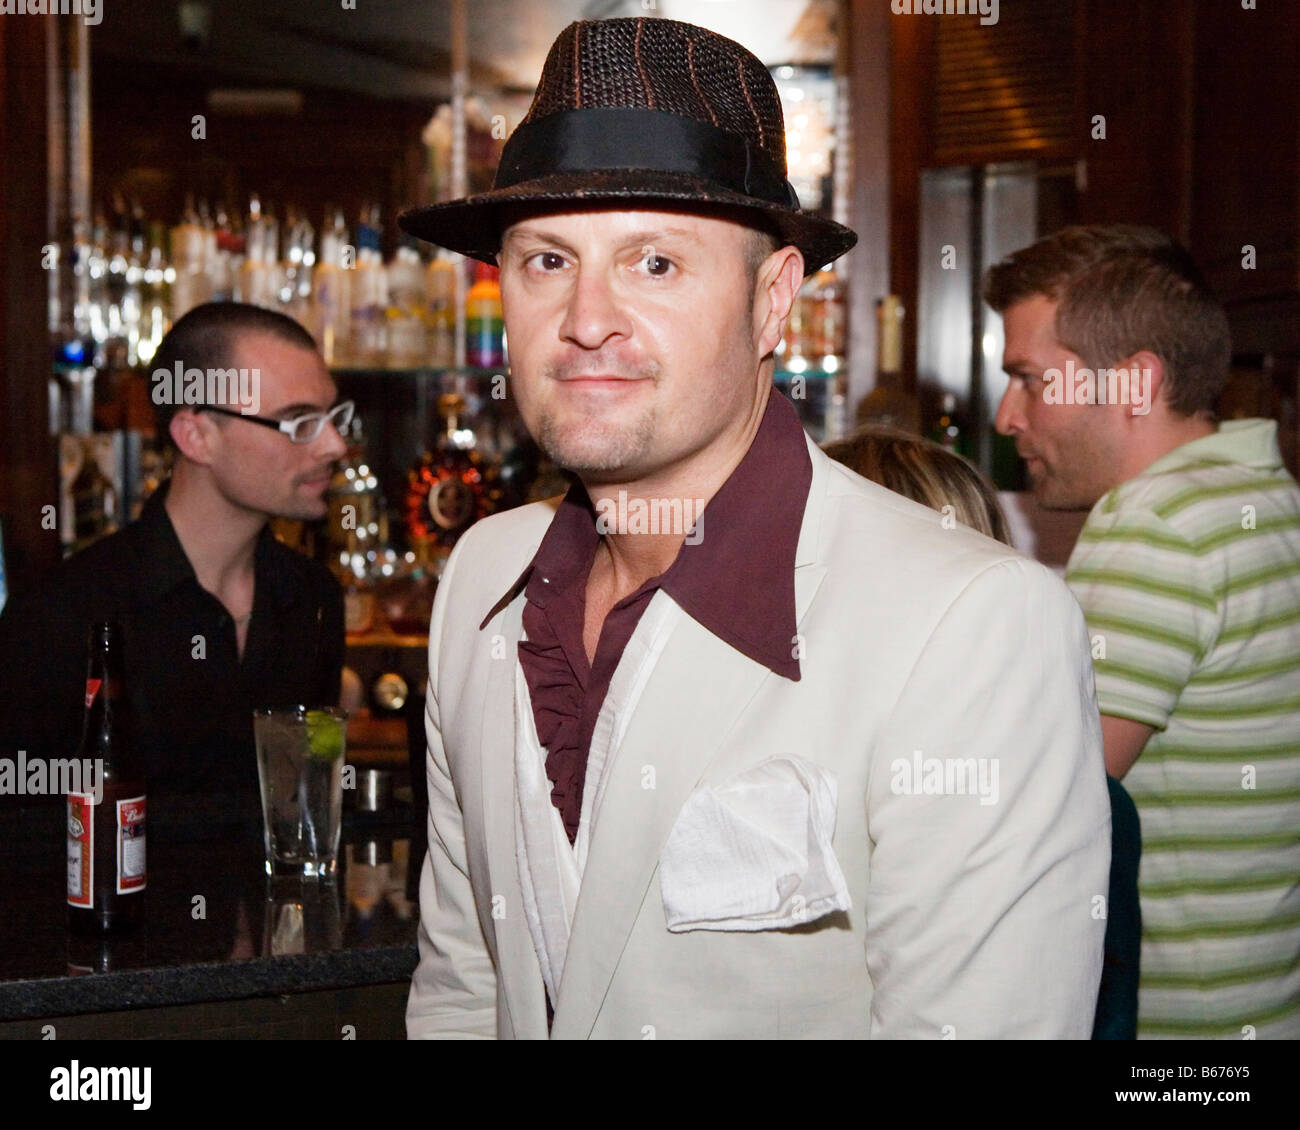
(754, 852)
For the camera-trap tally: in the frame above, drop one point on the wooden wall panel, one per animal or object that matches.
(1245, 186)
(1136, 67)
(868, 263)
(28, 471)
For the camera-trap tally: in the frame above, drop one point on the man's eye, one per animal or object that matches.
(546, 260)
(658, 266)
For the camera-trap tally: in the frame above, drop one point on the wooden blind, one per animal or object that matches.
(1006, 88)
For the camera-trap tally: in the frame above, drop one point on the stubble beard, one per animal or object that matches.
(591, 448)
(1050, 495)
(1070, 488)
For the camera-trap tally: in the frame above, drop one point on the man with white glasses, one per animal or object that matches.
(218, 616)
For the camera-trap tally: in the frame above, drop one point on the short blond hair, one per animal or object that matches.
(925, 472)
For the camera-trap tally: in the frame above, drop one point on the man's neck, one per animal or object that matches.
(629, 553)
(217, 536)
(1161, 441)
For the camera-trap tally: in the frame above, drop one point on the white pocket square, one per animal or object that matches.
(754, 852)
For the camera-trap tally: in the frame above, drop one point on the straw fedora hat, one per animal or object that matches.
(643, 109)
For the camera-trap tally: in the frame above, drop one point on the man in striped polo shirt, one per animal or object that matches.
(1188, 572)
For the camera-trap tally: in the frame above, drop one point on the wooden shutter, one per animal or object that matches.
(1003, 90)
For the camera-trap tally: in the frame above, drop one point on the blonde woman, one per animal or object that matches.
(923, 471)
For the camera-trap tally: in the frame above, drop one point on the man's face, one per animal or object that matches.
(1072, 450)
(264, 470)
(631, 348)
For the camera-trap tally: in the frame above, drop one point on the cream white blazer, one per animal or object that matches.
(927, 652)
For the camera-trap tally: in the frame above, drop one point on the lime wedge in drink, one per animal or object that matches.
(324, 735)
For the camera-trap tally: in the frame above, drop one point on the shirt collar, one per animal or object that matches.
(1252, 442)
(158, 548)
(737, 579)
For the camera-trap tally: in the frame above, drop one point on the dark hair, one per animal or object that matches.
(925, 472)
(759, 245)
(1121, 289)
(206, 338)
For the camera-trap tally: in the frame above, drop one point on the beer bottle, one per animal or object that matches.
(892, 403)
(106, 828)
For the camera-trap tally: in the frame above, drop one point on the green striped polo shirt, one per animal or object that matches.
(1189, 577)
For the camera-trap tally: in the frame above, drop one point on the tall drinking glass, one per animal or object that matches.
(300, 770)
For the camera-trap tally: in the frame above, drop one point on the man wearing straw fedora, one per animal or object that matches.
(728, 741)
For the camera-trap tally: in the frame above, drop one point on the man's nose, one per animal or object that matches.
(1010, 418)
(330, 443)
(593, 314)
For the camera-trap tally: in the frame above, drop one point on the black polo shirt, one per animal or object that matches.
(191, 696)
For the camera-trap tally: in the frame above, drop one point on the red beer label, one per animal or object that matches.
(81, 850)
(130, 845)
(92, 689)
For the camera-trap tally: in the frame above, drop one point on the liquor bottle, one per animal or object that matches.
(273, 281)
(794, 349)
(358, 517)
(891, 403)
(133, 302)
(193, 283)
(405, 308)
(80, 264)
(259, 276)
(155, 295)
(98, 269)
(449, 488)
(223, 248)
(828, 324)
(296, 268)
(829, 346)
(440, 294)
(521, 461)
(69, 292)
(484, 327)
(93, 498)
(249, 281)
(332, 289)
(369, 341)
(118, 266)
(106, 822)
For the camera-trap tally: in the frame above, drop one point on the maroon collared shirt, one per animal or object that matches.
(737, 581)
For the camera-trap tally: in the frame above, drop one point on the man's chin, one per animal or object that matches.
(303, 510)
(1050, 496)
(609, 460)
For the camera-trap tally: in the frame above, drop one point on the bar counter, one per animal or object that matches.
(223, 951)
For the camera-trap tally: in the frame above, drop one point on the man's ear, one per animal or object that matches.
(1146, 377)
(779, 280)
(192, 433)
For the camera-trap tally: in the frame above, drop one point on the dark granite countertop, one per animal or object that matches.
(216, 929)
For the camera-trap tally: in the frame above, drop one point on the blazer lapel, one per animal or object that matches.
(676, 732)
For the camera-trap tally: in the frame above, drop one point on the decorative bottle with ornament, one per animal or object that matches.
(449, 488)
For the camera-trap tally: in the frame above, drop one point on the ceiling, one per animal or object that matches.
(401, 48)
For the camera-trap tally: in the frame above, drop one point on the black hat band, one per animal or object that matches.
(602, 138)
